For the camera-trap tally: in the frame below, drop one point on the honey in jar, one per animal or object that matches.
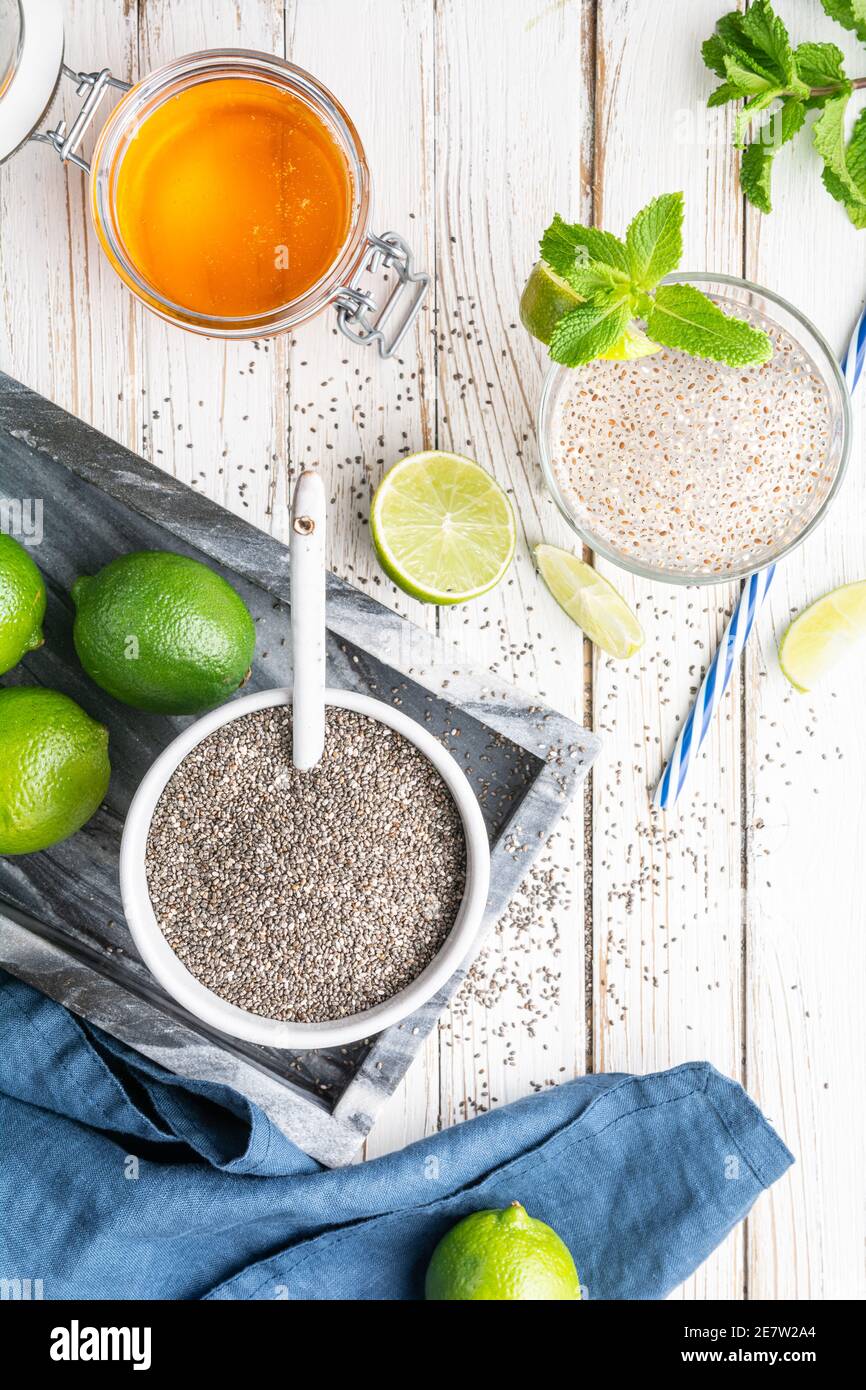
(234, 198)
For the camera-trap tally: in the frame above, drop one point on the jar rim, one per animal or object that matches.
(144, 98)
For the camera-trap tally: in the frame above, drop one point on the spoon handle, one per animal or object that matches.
(308, 620)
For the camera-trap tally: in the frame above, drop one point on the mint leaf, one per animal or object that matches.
(856, 153)
(748, 113)
(740, 45)
(769, 36)
(594, 279)
(820, 64)
(713, 52)
(727, 92)
(567, 244)
(756, 167)
(851, 14)
(654, 240)
(585, 333)
(855, 159)
(834, 186)
(730, 28)
(558, 246)
(829, 137)
(747, 82)
(684, 319)
(838, 189)
(784, 125)
(857, 215)
(757, 162)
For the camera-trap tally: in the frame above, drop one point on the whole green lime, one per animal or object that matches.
(54, 768)
(502, 1255)
(163, 633)
(22, 603)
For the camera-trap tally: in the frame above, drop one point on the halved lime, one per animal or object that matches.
(546, 297)
(590, 601)
(443, 528)
(823, 634)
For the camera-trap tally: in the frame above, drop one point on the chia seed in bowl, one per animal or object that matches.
(305, 896)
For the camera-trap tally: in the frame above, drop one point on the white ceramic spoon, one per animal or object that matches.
(308, 621)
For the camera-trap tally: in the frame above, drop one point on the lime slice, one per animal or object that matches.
(823, 634)
(546, 297)
(442, 527)
(590, 601)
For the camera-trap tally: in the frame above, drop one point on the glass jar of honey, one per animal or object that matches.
(231, 193)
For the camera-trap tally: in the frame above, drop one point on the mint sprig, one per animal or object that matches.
(618, 284)
(753, 55)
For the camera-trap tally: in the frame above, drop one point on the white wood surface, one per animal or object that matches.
(734, 929)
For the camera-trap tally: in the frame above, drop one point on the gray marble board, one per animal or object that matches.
(61, 922)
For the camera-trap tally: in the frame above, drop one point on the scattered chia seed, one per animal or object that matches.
(516, 973)
(306, 896)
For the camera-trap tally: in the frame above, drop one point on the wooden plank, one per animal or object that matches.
(666, 889)
(511, 106)
(806, 947)
(69, 327)
(350, 413)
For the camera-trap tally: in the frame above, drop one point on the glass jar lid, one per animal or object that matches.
(31, 58)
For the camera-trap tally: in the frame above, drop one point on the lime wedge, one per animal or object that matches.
(546, 297)
(443, 528)
(823, 634)
(590, 601)
(633, 344)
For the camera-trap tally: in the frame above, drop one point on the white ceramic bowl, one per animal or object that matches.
(173, 975)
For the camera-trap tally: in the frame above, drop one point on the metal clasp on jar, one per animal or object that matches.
(91, 86)
(358, 316)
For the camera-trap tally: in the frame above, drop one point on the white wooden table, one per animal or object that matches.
(732, 930)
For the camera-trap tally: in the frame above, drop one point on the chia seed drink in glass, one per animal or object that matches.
(683, 469)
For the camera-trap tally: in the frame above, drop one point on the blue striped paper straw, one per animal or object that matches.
(852, 362)
(736, 635)
(713, 687)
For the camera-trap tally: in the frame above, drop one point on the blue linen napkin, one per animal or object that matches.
(120, 1180)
